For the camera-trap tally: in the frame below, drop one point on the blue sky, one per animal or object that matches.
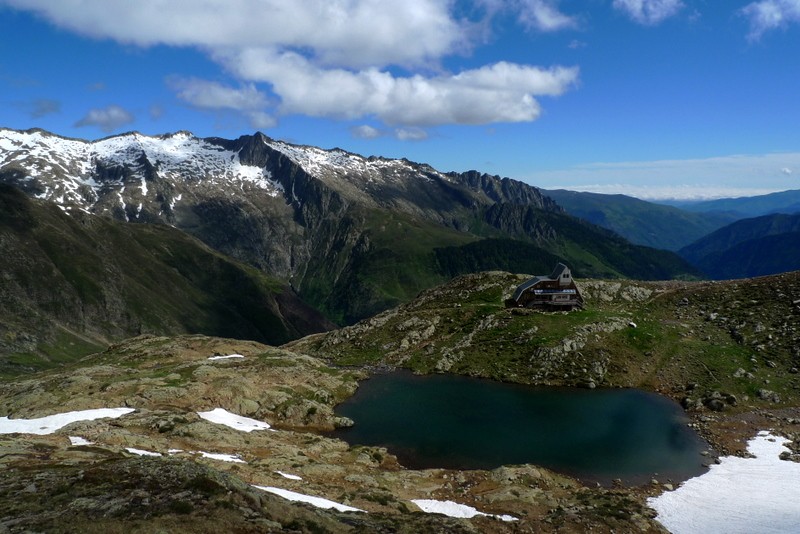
(653, 98)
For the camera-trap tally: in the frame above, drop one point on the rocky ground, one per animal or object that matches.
(48, 484)
(726, 351)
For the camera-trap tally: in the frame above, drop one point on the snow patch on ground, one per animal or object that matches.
(738, 495)
(237, 422)
(228, 357)
(319, 502)
(453, 509)
(221, 457)
(76, 441)
(141, 452)
(51, 423)
(287, 475)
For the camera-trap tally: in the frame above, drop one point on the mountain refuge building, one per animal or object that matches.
(557, 292)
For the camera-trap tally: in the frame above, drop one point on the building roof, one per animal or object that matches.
(555, 275)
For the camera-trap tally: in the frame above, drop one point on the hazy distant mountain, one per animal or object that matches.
(750, 247)
(641, 222)
(353, 235)
(744, 207)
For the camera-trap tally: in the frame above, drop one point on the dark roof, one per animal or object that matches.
(558, 271)
(556, 274)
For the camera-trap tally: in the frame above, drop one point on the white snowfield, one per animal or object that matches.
(318, 162)
(77, 441)
(51, 423)
(237, 422)
(287, 475)
(180, 157)
(319, 502)
(228, 357)
(221, 457)
(738, 495)
(453, 509)
(141, 452)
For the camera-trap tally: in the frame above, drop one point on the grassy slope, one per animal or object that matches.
(387, 262)
(463, 327)
(388, 258)
(73, 283)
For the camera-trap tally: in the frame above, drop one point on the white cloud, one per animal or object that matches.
(769, 15)
(503, 92)
(214, 95)
(334, 59)
(726, 176)
(543, 15)
(649, 12)
(353, 33)
(365, 131)
(107, 119)
(260, 120)
(787, 171)
(410, 134)
(209, 95)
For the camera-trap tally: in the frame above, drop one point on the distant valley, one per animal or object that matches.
(724, 239)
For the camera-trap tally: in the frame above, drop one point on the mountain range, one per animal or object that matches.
(352, 235)
(158, 236)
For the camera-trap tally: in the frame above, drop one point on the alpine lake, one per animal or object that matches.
(457, 422)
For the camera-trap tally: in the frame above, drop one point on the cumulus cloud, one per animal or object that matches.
(365, 131)
(107, 119)
(354, 33)
(787, 171)
(543, 15)
(337, 59)
(649, 12)
(502, 92)
(769, 15)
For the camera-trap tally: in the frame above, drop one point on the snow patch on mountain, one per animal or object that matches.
(318, 162)
(179, 158)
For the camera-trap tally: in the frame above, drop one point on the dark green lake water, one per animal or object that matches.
(458, 422)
